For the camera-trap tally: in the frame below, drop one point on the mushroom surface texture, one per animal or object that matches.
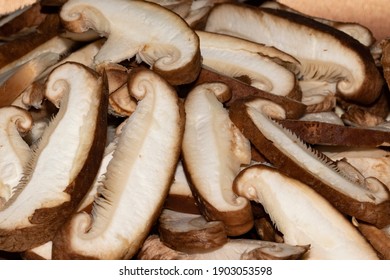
(290, 154)
(213, 152)
(64, 163)
(302, 215)
(325, 53)
(14, 151)
(137, 179)
(153, 34)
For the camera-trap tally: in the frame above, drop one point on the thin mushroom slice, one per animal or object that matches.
(290, 154)
(234, 249)
(213, 152)
(190, 232)
(64, 164)
(137, 178)
(260, 71)
(325, 53)
(14, 151)
(302, 215)
(157, 36)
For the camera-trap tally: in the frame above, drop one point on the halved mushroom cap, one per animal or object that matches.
(234, 60)
(234, 249)
(325, 53)
(290, 154)
(137, 178)
(294, 109)
(302, 215)
(213, 152)
(157, 36)
(14, 151)
(63, 165)
(353, 29)
(190, 232)
(180, 196)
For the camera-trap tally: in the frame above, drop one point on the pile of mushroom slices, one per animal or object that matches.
(191, 130)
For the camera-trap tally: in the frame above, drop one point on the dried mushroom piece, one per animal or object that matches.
(163, 41)
(288, 153)
(137, 178)
(14, 151)
(328, 54)
(213, 152)
(63, 165)
(302, 215)
(190, 232)
(235, 249)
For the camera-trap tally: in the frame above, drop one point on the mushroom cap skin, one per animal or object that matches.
(302, 215)
(324, 52)
(213, 152)
(137, 179)
(290, 154)
(156, 35)
(63, 165)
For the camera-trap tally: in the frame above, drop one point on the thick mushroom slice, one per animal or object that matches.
(13, 6)
(234, 249)
(325, 53)
(234, 61)
(213, 152)
(302, 215)
(190, 232)
(14, 151)
(157, 36)
(290, 154)
(137, 179)
(63, 165)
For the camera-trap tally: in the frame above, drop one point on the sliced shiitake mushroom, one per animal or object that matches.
(137, 178)
(302, 215)
(163, 41)
(288, 153)
(213, 152)
(63, 165)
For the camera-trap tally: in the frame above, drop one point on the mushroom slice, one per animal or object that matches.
(190, 232)
(180, 196)
(294, 109)
(212, 39)
(325, 53)
(288, 153)
(378, 238)
(261, 71)
(234, 249)
(14, 151)
(137, 179)
(213, 152)
(157, 36)
(121, 103)
(302, 215)
(14, 6)
(324, 133)
(63, 165)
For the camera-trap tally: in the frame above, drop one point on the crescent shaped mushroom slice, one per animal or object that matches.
(290, 154)
(137, 178)
(325, 53)
(156, 35)
(14, 151)
(260, 71)
(302, 215)
(213, 152)
(64, 164)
